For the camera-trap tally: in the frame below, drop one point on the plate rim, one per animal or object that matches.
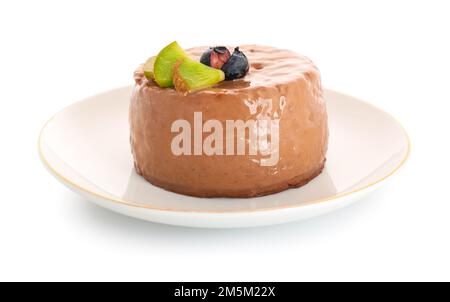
(123, 202)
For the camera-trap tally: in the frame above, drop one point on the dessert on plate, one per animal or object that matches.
(228, 122)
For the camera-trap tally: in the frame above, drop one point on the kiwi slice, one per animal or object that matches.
(165, 62)
(190, 75)
(149, 67)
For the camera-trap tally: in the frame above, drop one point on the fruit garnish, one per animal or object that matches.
(237, 65)
(215, 56)
(190, 75)
(148, 67)
(165, 62)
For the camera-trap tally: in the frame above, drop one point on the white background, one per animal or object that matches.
(394, 54)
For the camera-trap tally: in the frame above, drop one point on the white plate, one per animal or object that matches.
(86, 147)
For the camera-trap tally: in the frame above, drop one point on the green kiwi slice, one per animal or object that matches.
(165, 62)
(149, 68)
(190, 75)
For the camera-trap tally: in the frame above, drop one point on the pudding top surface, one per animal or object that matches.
(269, 66)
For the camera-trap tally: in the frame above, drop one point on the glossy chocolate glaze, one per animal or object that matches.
(289, 80)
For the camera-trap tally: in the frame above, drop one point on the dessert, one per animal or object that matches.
(208, 122)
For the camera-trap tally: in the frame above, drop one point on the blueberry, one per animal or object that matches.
(206, 57)
(221, 49)
(237, 65)
(215, 57)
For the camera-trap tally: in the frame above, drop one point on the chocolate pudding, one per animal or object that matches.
(258, 135)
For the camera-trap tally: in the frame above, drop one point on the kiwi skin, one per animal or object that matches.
(165, 62)
(178, 81)
(190, 76)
